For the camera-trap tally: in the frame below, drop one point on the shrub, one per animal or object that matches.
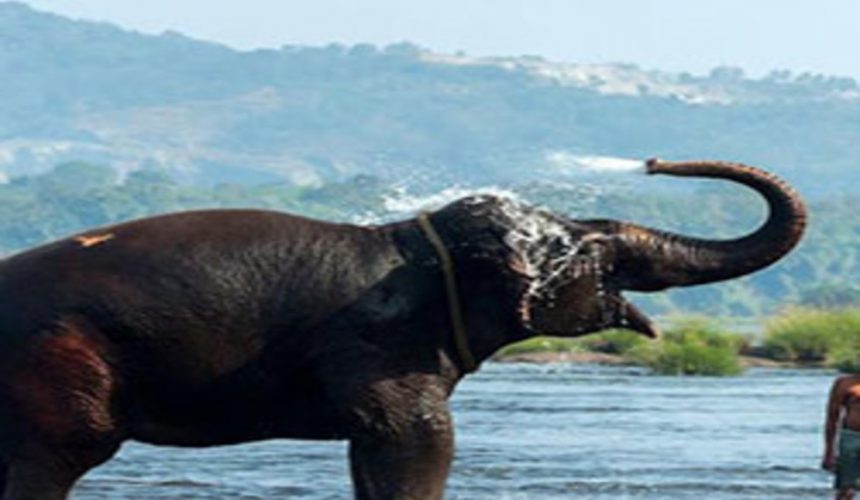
(809, 335)
(612, 341)
(692, 346)
(845, 359)
(609, 342)
(701, 330)
(845, 353)
(672, 358)
(540, 344)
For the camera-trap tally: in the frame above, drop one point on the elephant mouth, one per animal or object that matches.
(628, 316)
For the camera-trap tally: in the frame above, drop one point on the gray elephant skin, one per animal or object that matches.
(227, 326)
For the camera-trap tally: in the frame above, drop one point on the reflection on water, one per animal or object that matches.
(551, 431)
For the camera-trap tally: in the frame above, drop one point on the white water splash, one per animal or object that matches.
(402, 203)
(550, 254)
(553, 256)
(609, 164)
(566, 162)
(405, 203)
(545, 245)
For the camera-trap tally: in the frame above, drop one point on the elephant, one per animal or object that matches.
(216, 327)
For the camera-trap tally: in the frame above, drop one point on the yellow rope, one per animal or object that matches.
(454, 309)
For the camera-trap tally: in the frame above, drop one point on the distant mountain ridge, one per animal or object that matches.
(724, 85)
(366, 134)
(80, 90)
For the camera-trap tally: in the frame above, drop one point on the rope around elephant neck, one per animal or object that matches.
(455, 311)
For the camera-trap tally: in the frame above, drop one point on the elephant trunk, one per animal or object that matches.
(650, 259)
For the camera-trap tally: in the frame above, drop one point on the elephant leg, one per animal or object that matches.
(412, 466)
(49, 473)
(404, 443)
(845, 494)
(3, 471)
(398, 424)
(63, 392)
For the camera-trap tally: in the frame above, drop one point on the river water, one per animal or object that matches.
(546, 431)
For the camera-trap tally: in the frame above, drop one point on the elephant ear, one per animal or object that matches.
(541, 268)
(501, 271)
(533, 280)
(521, 279)
(503, 244)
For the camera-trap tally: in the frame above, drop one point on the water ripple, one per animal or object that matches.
(553, 431)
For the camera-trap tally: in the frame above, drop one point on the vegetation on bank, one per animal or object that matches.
(692, 346)
(219, 120)
(76, 196)
(701, 346)
(819, 336)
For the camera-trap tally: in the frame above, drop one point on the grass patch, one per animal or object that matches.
(611, 342)
(540, 344)
(831, 337)
(702, 346)
(692, 346)
(608, 342)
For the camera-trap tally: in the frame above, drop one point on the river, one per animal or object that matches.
(546, 432)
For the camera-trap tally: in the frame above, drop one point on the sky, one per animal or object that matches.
(820, 36)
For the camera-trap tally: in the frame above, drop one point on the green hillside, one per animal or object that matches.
(823, 272)
(76, 90)
(142, 124)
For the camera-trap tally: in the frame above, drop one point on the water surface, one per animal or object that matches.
(546, 431)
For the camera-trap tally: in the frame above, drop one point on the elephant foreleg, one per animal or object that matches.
(3, 470)
(413, 466)
(398, 424)
(40, 472)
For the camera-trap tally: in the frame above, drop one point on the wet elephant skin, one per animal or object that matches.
(226, 326)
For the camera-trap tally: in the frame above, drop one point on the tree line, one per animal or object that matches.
(823, 272)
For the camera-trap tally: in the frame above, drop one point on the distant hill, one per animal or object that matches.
(76, 90)
(824, 271)
(99, 124)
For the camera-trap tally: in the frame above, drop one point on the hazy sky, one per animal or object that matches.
(684, 35)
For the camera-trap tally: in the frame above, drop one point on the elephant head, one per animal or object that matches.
(572, 273)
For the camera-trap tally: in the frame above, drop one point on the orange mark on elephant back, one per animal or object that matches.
(63, 386)
(88, 241)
